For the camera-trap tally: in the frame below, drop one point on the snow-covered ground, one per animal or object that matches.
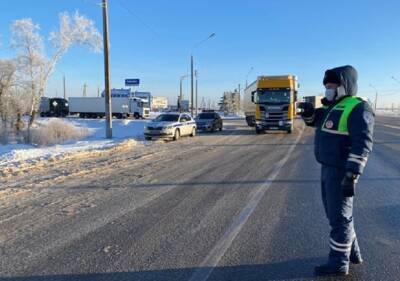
(388, 112)
(123, 130)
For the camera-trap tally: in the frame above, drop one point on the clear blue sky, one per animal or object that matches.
(153, 40)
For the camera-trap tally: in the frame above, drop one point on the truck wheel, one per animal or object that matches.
(136, 115)
(220, 128)
(289, 131)
(177, 135)
(193, 132)
(147, 138)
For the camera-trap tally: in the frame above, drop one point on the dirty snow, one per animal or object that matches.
(388, 112)
(14, 154)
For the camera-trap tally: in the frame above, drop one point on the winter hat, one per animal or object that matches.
(331, 76)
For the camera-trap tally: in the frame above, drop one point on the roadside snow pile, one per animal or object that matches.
(12, 155)
(388, 112)
(56, 131)
(231, 116)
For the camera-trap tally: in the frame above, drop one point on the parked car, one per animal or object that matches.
(170, 125)
(209, 121)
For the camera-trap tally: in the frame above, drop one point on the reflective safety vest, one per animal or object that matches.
(336, 119)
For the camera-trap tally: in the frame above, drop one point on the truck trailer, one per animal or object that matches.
(269, 103)
(315, 100)
(94, 107)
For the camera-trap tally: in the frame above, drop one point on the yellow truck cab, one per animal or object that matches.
(269, 103)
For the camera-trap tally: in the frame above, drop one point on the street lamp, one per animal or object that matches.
(376, 94)
(248, 73)
(181, 92)
(395, 79)
(192, 71)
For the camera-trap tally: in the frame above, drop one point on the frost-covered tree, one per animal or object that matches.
(34, 64)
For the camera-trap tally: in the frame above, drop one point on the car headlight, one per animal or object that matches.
(168, 127)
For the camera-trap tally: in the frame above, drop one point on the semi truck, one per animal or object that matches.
(94, 107)
(269, 103)
(315, 100)
(53, 107)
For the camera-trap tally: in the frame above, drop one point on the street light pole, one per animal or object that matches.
(107, 91)
(195, 75)
(376, 95)
(191, 71)
(191, 85)
(181, 91)
(248, 73)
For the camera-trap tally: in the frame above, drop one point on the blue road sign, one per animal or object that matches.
(132, 82)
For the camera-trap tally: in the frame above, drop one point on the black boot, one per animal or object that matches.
(327, 269)
(356, 259)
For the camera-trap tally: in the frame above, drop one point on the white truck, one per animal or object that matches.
(94, 107)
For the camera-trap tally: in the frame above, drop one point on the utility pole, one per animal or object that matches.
(191, 85)
(98, 91)
(248, 73)
(65, 93)
(195, 74)
(107, 92)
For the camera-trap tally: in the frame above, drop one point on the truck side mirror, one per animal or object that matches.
(252, 96)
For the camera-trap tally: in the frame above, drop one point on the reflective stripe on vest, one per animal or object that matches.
(346, 105)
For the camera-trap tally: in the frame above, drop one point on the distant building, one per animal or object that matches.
(159, 103)
(126, 93)
(230, 102)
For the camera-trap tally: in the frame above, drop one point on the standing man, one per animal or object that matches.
(343, 142)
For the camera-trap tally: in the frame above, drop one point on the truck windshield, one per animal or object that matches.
(272, 96)
(167, 118)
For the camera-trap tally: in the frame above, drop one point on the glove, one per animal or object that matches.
(307, 109)
(349, 184)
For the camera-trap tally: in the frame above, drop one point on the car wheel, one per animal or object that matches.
(258, 131)
(193, 132)
(177, 135)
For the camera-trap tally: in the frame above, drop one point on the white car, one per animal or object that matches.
(171, 125)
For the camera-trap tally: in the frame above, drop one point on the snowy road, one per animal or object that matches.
(225, 206)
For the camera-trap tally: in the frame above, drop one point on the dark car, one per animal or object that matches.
(209, 121)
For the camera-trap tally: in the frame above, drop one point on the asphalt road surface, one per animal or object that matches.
(230, 205)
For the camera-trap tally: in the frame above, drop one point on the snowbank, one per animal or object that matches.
(15, 154)
(388, 112)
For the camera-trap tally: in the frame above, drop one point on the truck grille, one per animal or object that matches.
(275, 116)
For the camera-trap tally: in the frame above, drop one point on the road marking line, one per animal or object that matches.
(210, 262)
(391, 126)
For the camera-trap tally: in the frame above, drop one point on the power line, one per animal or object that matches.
(138, 18)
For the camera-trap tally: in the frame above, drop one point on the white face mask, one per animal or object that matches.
(330, 94)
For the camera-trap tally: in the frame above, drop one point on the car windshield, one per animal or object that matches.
(206, 116)
(273, 96)
(167, 118)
